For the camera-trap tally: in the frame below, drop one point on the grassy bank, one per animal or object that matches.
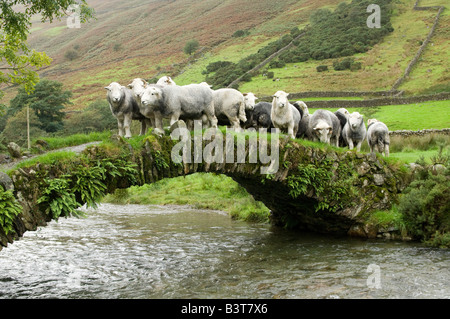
(203, 191)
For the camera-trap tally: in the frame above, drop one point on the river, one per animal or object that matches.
(178, 252)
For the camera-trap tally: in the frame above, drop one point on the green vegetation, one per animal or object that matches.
(49, 158)
(331, 35)
(58, 199)
(425, 207)
(414, 117)
(202, 191)
(320, 178)
(47, 101)
(9, 209)
(20, 61)
(191, 46)
(67, 181)
(388, 219)
(54, 143)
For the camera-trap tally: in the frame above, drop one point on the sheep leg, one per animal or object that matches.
(159, 123)
(143, 127)
(210, 113)
(350, 144)
(291, 131)
(358, 146)
(174, 118)
(386, 150)
(235, 123)
(127, 125)
(151, 119)
(120, 126)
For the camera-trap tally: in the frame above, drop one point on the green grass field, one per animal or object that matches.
(414, 117)
(203, 191)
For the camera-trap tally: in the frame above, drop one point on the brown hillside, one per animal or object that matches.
(137, 38)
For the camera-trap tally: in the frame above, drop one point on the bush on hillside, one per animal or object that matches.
(322, 68)
(425, 206)
(330, 35)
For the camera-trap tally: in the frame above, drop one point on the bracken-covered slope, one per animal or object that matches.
(141, 38)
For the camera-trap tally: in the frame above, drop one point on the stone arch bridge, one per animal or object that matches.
(315, 187)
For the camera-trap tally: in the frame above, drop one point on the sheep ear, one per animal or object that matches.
(244, 94)
(108, 88)
(130, 86)
(287, 94)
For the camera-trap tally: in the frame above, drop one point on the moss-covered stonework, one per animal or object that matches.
(316, 187)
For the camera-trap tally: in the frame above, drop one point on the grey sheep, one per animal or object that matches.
(342, 114)
(378, 137)
(324, 126)
(189, 102)
(354, 131)
(305, 116)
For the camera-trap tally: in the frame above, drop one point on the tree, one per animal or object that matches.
(19, 63)
(191, 46)
(47, 100)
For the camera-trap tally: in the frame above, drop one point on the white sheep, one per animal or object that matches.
(378, 136)
(138, 86)
(284, 115)
(166, 80)
(354, 131)
(124, 107)
(189, 102)
(229, 104)
(250, 101)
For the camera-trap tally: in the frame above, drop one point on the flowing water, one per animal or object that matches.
(178, 252)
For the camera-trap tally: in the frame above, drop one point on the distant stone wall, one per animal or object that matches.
(422, 47)
(378, 101)
(392, 100)
(406, 133)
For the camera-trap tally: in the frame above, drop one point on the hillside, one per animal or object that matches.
(141, 38)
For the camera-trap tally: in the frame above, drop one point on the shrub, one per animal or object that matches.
(240, 33)
(191, 46)
(71, 55)
(215, 66)
(344, 64)
(425, 205)
(270, 75)
(322, 68)
(9, 209)
(355, 66)
(276, 64)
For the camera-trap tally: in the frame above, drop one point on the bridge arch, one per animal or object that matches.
(316, 187)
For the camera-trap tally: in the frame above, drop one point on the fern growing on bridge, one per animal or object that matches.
(9, 209)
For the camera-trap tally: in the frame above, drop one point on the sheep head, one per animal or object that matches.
(249, 101)
(323, 131)
(280, 99)
(115, 92)
(151, 96)
(355, 120)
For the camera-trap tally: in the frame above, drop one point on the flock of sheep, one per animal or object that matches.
(151, 103)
